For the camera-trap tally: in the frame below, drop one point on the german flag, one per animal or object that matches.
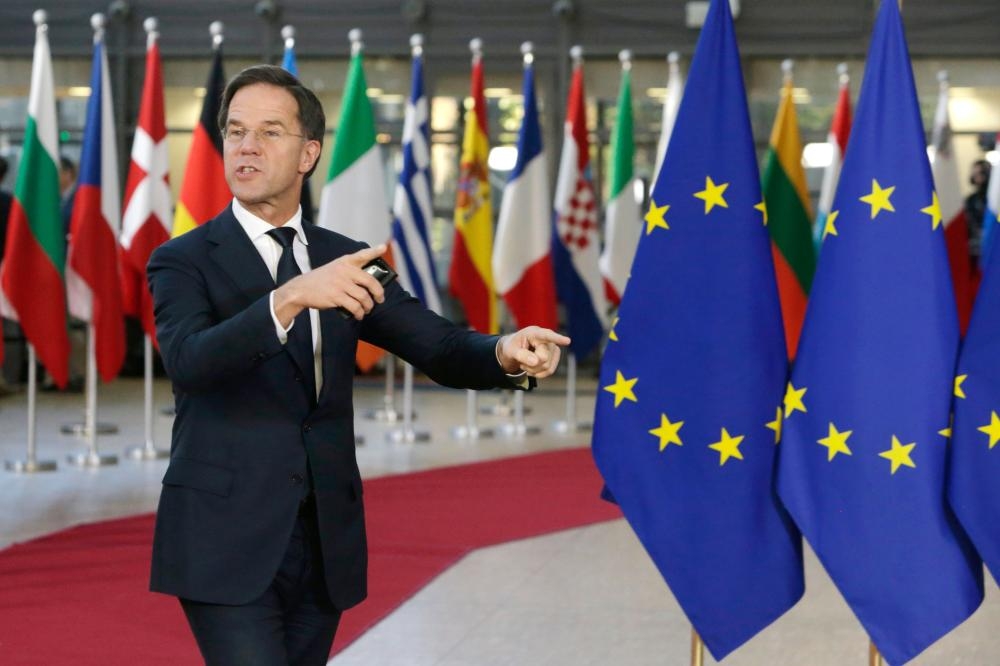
(204, 191)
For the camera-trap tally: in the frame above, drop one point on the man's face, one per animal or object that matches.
(264, 167)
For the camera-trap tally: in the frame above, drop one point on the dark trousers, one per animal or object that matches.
(291, 624)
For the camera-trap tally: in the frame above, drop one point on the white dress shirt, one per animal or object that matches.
(270, 251)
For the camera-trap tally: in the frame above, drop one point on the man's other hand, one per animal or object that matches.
(533, 350)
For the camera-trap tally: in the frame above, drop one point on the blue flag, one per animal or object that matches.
(974, 466)
(289, 64)
(862, 458)
(687, 415)
(412, 207)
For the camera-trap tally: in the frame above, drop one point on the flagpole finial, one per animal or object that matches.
(288, 34)
(843, 74)
(40, 17)
(476, 47)
(97, 22)
(355, 38)
(673, 58)
(416, 45)
(576, 53)
(787, 65)
(943, 77)
(216, 29)
(625, 58)
(528, 52)
(150, 25)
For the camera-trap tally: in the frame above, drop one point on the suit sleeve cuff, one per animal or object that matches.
(279, 330)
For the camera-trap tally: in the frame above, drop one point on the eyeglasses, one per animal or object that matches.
(235, 135)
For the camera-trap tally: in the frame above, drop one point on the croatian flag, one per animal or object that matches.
(93, 282)
(575, 238)
(412, 209)
(522, 264)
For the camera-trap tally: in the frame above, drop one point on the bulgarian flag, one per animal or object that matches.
(622, 226)
(951, 206)
(146, 220)
(204, 192)
(788, 216)
(354, 201)
(93, 281)
(31, 277)
(471, 276)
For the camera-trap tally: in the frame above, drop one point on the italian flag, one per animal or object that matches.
(354, 200)
(623, 225)
(788, 218)
(31, 277)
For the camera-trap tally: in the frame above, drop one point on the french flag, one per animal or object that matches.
(522, 263)
(93, 282)
(575, 237)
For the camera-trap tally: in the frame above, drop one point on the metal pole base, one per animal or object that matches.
(91, 460)
(501, 409)
(146, 452)
(403, 436)
(519, 429)
(30, 466)
(387, 415)
(564, 427)
(80, 429)
(473, 433)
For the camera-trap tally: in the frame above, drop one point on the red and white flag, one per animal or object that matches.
(93, 282)
(147, 219)
(947, 185)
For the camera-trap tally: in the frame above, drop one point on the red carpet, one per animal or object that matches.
(80, 596)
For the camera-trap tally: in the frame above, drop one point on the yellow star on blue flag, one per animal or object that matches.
(878, 353)
(691, 461)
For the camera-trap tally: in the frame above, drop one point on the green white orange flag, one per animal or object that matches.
(204, 192)
(32, 288)
(787, 213)
(622, 226)
(354, 200)
(470, 278)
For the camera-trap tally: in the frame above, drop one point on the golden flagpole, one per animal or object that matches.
(874, 658)
(697, 649)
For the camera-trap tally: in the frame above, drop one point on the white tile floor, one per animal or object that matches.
(584, 596)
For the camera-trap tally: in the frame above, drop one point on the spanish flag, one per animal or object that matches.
(204, 192)
(471, 276)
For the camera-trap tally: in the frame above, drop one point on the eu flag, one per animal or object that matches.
(862, 458)
(974, 466)
(687, 416)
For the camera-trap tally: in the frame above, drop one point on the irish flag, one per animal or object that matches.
(622, 226)
(470, 278)
(93, 281)
(787, 213)
(31, 277)
(354, 201)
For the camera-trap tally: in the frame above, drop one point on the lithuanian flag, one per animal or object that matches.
(787, 215)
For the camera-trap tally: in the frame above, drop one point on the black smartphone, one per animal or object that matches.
(378, 269)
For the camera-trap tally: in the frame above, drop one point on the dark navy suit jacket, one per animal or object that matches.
(245, 424)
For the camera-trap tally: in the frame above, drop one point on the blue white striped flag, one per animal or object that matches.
(412, 209)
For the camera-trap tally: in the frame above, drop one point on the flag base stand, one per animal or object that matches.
(501, 409)
(146, 452)
(30, 466)
(92, 459)
(387, 415)
(519, 430)
(81, 430)
(407, 436)
(471, 432)
(568, 428)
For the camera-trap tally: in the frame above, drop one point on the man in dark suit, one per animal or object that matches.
(260, 530)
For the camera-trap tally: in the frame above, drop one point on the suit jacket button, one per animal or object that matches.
(306, 428)
(298, 378)
(296, 479)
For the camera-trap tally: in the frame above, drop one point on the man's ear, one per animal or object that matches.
(310, 155)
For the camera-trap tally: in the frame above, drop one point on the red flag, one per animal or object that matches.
(146, 222)
(93, 282)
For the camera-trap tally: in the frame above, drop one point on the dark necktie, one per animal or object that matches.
(300, 342)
